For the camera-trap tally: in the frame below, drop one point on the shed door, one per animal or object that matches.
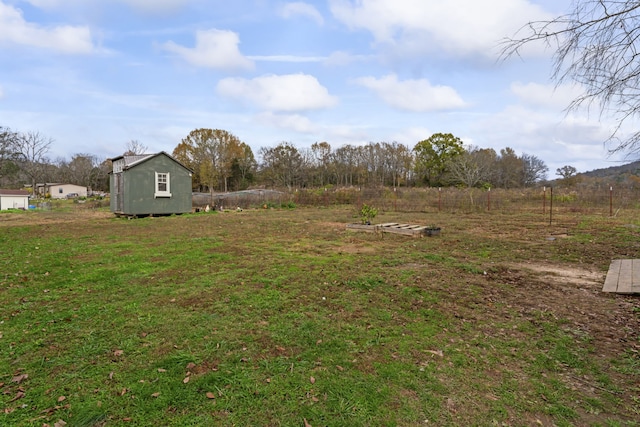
(119, 192)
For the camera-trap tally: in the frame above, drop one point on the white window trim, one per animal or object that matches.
(163, 193)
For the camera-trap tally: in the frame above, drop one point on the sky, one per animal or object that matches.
(95, 74)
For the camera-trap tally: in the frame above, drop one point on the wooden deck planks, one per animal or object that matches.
(623, 277)
(397, 228)
(635, 277)
(611, 282)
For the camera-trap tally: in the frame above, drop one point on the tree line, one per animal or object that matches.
(221, 162)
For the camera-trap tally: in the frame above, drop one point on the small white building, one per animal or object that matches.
(14, 199)
(61, 191)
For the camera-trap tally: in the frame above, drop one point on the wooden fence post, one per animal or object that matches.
(551, 205)
(611, 200)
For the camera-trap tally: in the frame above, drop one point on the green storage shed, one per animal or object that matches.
(149, 184)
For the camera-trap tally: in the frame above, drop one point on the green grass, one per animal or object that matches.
(271, 317)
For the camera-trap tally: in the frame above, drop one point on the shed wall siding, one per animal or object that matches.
(14, 202)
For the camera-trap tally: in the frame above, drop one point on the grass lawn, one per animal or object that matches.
(285, 318)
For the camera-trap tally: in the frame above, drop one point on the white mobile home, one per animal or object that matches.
(61, 191)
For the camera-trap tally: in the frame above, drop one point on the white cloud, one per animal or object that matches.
(214, 49)
(413, 95)
(301, 9)
(15, 30)
(294, 122)
(457, 27)
(341, 59)
(558, 140)
(546, 95)
(291, 92)
(411, 136)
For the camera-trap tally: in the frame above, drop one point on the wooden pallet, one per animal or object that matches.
(396, 228)
(623, 277)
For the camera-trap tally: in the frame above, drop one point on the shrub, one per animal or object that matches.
(367, 213)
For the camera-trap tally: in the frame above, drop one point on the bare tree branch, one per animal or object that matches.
(596, 46)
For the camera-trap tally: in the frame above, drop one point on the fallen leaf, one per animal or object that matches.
(268, 380)
(111, 375)
(436, 352)
(127, 419)
(312, 380)
(162, 370)
(186, 380)
(339, 368)
(155, 394)
(123, 392)
(191, 365)
(19, 378)
(306, 424)
(210, 395)
(19, 395)
(61, 399)
(118, 353)
(318, 342)
(59, 423)
(315, 399)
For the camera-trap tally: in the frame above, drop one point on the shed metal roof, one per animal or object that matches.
(13, 192)
(134, 160)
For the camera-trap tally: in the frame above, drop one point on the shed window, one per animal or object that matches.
(163, 184)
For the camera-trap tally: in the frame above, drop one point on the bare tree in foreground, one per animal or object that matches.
(597, 46)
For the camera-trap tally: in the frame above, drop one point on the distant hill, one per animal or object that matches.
(615, 172)
(627, 174)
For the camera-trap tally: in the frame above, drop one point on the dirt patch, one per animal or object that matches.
(356, 249)
(53, 217)
(564, 274)
(574, 294)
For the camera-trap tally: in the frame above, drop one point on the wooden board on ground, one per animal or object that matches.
(396, 228)
(623, 277)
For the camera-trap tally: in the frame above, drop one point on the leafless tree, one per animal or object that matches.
(8, 155)
(283, 165)
(135, 147)
(473, 167)
(597, 46)
(81, 170)
(32, 149)
(534, 170)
